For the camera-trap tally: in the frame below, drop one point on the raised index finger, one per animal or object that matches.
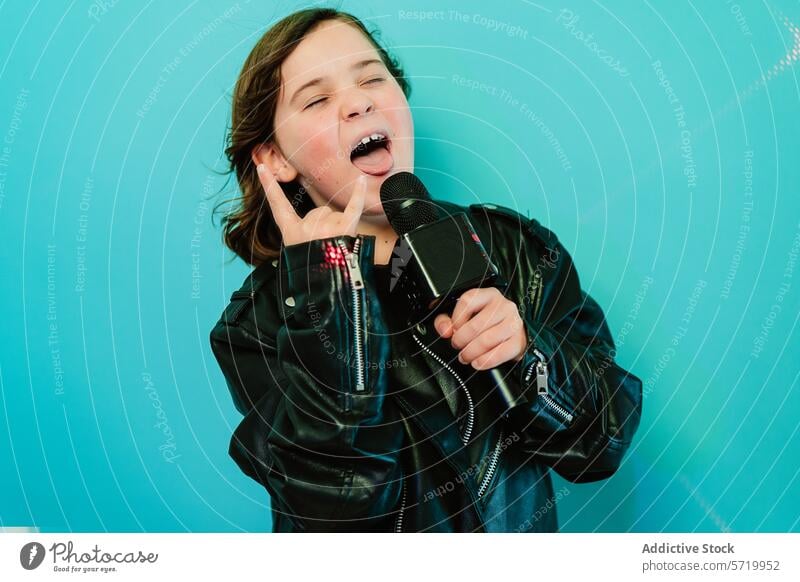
(354, 208)
(283, 212)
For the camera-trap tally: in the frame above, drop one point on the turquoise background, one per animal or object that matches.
(682, 217)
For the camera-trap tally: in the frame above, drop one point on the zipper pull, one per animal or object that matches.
(541, 377)
(353, 267)
(355, 271)
(541, 372)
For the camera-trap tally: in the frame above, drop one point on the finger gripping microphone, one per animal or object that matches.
(435, 259)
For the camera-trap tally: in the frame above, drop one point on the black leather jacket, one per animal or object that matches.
(353, 423)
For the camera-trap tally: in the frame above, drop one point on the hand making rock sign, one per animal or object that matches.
(321, 222)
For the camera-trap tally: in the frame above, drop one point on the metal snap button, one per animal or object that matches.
(290, 301)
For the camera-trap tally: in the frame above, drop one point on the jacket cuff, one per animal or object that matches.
(323, 252)
(529, 382)
(304, 265)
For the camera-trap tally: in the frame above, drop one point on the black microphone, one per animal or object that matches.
(435, 259)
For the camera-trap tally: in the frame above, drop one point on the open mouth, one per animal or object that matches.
(373, 155)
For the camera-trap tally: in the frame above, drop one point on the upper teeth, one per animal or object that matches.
(369, 138)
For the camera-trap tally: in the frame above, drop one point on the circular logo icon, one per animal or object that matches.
(31, 555)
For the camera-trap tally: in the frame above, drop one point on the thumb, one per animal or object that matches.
(443, 325)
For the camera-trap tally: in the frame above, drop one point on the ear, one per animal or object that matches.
(271, 156)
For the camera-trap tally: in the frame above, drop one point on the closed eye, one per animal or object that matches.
(320, 100)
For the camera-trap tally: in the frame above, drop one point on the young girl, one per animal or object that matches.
(353, 420)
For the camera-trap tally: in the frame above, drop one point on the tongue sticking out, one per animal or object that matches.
(377, 162)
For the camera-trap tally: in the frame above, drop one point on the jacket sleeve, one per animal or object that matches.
(575, 408)
(318, 437)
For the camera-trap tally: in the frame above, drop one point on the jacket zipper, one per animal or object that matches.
(487, 478)
(482, 488)
(398, 525)
(357, 286)
(351, 260)
(471, 411)
(490, 471)
(540, 363)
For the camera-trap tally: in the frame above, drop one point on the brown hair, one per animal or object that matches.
(249, 229)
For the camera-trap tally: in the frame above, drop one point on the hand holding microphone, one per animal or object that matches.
(440, 264)
(486, 327)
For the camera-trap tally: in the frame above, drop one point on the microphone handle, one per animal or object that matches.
(507, 396)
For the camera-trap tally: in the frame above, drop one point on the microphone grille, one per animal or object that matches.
(407, 203)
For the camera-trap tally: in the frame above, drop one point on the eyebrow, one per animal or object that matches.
(318, 80)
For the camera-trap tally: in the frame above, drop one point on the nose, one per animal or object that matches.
(355, 103)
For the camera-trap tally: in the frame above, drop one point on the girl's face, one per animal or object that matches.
(335, 90)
